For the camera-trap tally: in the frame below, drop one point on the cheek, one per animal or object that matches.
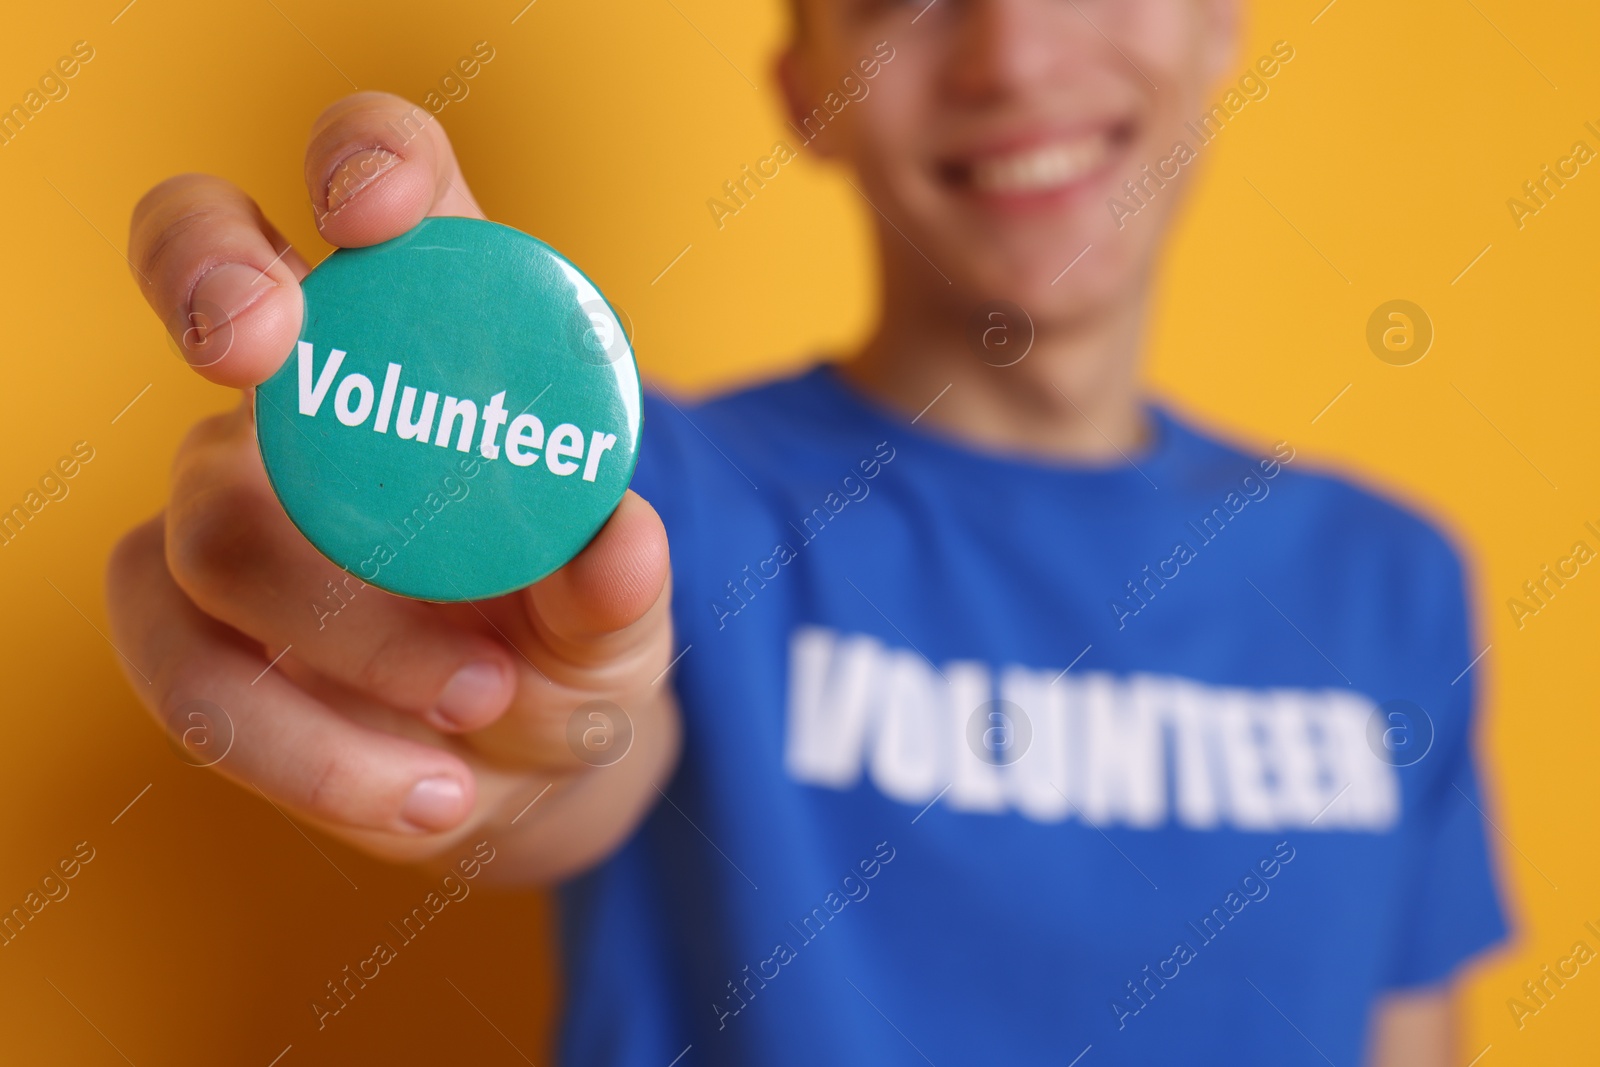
(883, 134)
(1164, 33)
(1166, 38)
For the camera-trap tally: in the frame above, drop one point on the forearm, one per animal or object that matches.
(1415, 1029)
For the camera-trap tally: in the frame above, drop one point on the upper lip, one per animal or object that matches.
(1022, 138)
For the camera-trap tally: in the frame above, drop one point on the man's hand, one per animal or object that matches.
(398, 726)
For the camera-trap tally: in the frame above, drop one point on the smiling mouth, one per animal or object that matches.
(1040, 168)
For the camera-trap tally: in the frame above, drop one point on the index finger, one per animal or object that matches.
(224, 280)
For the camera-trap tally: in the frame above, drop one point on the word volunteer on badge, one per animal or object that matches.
(460, 415)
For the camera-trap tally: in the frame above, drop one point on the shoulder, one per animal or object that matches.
(1342, 522)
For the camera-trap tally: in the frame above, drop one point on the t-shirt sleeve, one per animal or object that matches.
(1450, 904)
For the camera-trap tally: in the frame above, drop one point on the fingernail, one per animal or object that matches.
(221, 295)
(476, 692)
(434, 803)
(355, 172)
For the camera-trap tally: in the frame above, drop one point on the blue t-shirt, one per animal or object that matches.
(989, 760)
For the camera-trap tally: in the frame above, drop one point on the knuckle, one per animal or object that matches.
(173, 702)
(543, 728)
(329, 787)
(379, 100)
(170, 211)
(382, 670)
(361, 111)
(135, 563)
(160, 199)
(213, 539)
(369, 120)
(133, 554)
(183, 696)
(207, 434)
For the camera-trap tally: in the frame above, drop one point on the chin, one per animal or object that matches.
(1047, 283)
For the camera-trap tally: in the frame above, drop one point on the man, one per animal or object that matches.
(1009, 718)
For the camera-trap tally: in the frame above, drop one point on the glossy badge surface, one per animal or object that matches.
(460, 415)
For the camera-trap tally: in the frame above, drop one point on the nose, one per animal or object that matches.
(1008, 45)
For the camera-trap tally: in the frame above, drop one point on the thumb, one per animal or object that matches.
(376, 165)
(611, 597)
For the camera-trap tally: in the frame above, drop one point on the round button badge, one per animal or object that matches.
(460, 415)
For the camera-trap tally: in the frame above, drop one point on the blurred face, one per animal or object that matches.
(999, 132)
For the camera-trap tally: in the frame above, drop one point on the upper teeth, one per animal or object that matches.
(1043, 167)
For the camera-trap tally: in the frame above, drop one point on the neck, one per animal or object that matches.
(1074, 396)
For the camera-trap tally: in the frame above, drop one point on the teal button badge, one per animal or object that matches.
(460, 415)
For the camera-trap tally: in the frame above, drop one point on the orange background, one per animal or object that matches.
(1381, 165)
